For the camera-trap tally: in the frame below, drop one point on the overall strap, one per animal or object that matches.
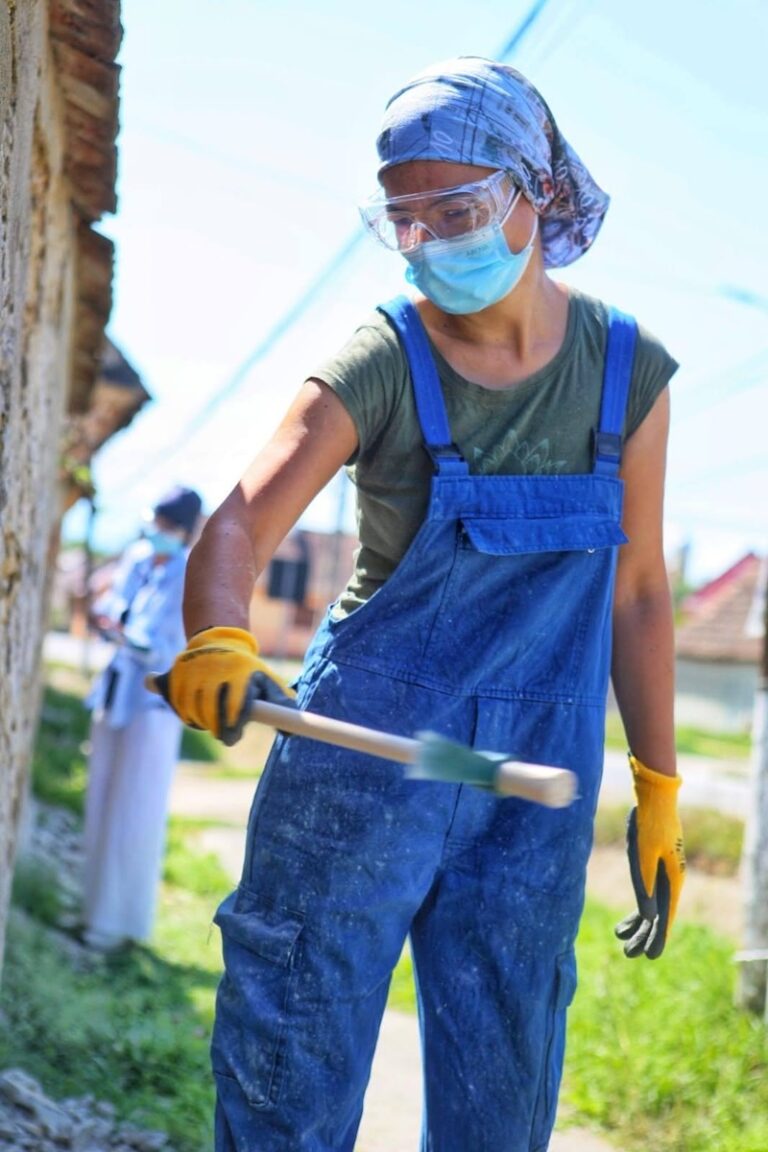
(617, 376)
(427, 391)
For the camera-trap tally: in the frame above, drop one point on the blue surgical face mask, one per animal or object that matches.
(163, 543)
(471, 273)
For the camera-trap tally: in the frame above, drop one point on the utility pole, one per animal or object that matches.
(753, 976)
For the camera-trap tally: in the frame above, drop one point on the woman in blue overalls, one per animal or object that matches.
(493, 428)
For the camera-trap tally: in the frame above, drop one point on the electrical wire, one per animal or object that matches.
(726, 472)
(300, 305)
(728, 382)
(244, 164)
(522, 30)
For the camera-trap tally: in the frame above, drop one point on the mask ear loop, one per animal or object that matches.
(512, 205)
(534, 230)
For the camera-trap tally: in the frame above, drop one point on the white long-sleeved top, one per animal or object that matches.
(151, 594)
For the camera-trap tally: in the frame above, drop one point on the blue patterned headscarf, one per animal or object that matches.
(474, 111)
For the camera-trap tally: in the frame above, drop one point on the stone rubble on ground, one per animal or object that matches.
(29, 1120)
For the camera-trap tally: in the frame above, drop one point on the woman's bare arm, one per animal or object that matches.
(313, 441)
(643, 667)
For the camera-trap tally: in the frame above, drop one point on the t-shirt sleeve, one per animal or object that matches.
(653, 370)
(370, 376)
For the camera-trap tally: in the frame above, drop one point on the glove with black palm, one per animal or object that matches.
(215, 680)
(656, 862)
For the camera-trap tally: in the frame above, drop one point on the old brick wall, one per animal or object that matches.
(37, 259)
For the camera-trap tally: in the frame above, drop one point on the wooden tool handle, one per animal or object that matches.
(338, 732)
(553, 787)
(324, 728)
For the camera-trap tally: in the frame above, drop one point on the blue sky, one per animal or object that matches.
(247, 139)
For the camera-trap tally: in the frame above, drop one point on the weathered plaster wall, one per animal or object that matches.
(37, 252)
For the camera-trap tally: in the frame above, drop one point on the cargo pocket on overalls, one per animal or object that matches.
(554, 1051)
(260, 944)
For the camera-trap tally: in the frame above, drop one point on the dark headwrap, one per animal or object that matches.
(181, 506)
(474, 111)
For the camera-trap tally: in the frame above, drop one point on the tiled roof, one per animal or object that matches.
(85, 37)
(722, 621)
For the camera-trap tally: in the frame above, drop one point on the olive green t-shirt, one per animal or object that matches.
(538, 426)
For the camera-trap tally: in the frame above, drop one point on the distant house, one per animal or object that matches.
(290, 597)
(718, 647)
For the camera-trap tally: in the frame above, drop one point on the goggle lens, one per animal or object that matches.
(402, 223)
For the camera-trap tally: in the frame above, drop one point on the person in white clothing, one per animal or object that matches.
(135, 736)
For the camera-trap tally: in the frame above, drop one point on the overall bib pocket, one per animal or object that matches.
(556, 577)
(502, 536)
(260, 947)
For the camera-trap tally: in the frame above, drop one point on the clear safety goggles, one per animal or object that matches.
(402, 223)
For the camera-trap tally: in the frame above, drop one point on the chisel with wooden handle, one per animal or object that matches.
(427, 757)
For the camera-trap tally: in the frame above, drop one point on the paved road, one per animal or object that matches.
(88, 653)
(723, 785)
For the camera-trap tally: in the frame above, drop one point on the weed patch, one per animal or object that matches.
(689, 740)
(59, 761)
(713, 840)
(657, 1053)
(132, 1028)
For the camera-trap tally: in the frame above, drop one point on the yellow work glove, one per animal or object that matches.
(656, 861)
(215, 680)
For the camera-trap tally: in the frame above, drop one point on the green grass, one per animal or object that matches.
(657, 1055)
(35, 890)
(132, 1028)
(200, 746)
(689, 741)
(60, 758)
(713, 840)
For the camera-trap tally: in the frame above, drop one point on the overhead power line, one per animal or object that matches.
(725, 473)
(273, 337)
(299, 306)
(522, 29)
(262, 349)
(700, 396)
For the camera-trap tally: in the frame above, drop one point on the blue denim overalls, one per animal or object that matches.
(495, 630)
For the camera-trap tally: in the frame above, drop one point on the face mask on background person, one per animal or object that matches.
(163, 543)
(469, 273)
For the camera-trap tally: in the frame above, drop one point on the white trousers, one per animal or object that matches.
(126, 809)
